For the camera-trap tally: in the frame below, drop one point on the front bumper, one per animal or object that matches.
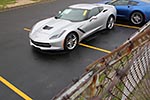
(56, 45)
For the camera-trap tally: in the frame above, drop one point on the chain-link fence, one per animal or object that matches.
(123, 74)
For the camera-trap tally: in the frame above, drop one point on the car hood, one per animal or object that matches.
(49, 27)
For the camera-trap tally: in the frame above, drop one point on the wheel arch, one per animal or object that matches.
(71, 31)
(76, 34)
(112, 16)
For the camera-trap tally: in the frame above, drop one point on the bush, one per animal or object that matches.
(3, 3)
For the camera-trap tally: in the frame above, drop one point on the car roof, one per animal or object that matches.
(84, 6)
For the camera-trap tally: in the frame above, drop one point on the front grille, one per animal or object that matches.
(41, 44)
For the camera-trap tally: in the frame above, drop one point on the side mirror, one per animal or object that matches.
(59, 12)
(93, 18)
(58, 15)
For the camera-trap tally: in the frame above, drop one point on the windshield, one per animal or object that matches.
(73, 14)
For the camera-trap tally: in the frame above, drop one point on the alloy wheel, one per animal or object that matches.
(110, 22)
(137, 18)
(71, 41)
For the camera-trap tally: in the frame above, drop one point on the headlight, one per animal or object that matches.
(57, 35)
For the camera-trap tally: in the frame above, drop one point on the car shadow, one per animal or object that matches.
(126, 22)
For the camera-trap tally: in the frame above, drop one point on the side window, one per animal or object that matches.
(93, 12)
(100, 9)
(120, 2)
(134, 3)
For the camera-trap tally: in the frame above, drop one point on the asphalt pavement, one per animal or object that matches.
(41, 75)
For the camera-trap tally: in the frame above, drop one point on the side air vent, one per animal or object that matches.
(47, 27)
(105, 10)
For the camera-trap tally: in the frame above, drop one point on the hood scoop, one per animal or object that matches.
(47, 27)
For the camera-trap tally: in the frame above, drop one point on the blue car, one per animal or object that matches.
(136, 11)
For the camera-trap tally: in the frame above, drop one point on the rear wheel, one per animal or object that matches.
(71, 42)
(137, 18)
(110, 23)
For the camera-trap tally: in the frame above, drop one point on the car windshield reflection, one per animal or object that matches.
(74, 15)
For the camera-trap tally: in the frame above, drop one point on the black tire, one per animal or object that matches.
(137, 18)
(71, 42)
(110, 22)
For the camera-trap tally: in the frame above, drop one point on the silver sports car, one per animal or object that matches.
(69, 27)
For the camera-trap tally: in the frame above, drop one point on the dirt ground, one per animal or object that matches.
(22, 2)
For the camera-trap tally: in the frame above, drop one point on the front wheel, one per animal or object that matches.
(110, 23)
(137, 18)
(71, 42)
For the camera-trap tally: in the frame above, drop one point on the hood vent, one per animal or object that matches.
(47, 27)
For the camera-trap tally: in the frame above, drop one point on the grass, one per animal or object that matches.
(3, 3)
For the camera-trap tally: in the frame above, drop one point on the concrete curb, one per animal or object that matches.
(25, 5)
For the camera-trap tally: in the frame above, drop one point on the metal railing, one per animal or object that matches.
(120, 75)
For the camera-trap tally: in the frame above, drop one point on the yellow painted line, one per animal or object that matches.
(127, 26)
(12, 87)
(27, 29)
(95, 48)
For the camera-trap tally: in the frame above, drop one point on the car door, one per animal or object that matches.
(123, 8)
(93, 21)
